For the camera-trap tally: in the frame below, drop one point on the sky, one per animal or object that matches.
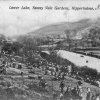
(15, 22)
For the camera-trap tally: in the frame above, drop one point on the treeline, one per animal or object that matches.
(89, 38)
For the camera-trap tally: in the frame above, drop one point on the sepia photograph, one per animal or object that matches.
(50, 50)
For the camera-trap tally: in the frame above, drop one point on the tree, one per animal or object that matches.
(68, 32)
(92, 36)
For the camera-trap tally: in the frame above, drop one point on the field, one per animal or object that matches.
(16, 87)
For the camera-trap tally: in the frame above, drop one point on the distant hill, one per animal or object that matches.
(78, 31)
(58, 29)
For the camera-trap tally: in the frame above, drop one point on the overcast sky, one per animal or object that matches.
(15, 22)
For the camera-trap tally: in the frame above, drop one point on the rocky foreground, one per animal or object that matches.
(16, 87)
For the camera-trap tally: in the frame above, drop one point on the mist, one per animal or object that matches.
(19, 22)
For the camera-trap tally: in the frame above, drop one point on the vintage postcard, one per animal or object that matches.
(50, 50)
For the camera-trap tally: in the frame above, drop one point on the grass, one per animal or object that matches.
(26, 89)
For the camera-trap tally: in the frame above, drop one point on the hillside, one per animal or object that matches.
(65, 34)
(28, 87)
(59, 28)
